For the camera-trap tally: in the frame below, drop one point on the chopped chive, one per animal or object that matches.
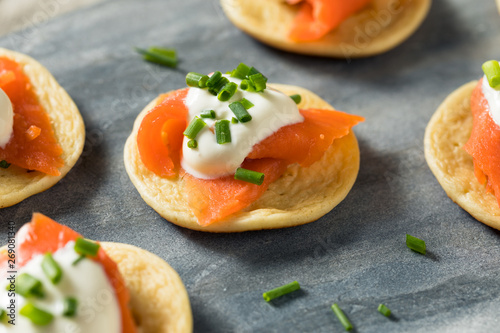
(296, 98)
(249, 176)
(86, 247)
(214, 90)
(415, 244)
(69, 306)
(208, 114)
(253, 71)
(240, 112)
(214, 78)
(259, 81)
(491, 69)
(27, 285)
(247, 85)
(171, 53)
(384, 310)
(227, 91)
(222, 131)
(192, 144)
(51, 268)
(80, 258)
(234, 120)
(195, 126)
(4, 164)
(241, 71)
(157, 57)
(36, 315)
(246, 103)
(202, 83)
(193, 79)
(342, 317)
(280, 291)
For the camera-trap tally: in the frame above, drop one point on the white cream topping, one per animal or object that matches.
(6, 119)
(271, 111)
(493, 98)
(97, 311)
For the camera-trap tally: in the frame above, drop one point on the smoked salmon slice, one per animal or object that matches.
(484, 143)
(44, 235)
(41, 153)
(212, 200)
(318, 17)
(160, 136)
(306, 142)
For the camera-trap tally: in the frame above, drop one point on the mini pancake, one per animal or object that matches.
(381, 26)
(446, 134)
(67, 123)
(299, 196)
(158, 299)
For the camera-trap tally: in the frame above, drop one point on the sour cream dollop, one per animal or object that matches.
(97, 310)
(6, 119)
(271, 111)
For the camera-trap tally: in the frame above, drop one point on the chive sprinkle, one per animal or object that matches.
(491, 69)
(69, 306)
(4, 164)
(161, 58)
(192, 144)
(217, 87)
(227, 91)
(240, 112)
(86, 247)
(214, 78)
(195, 126)
(259, 81)
(280, 291)
(202, 83)
(296, 98)
(241, 71)
(36, 315)
(249, 176)
(208, 114)
(415, 244)
(234, 120)
(193, 79)
(342, 317)
(51, 268)
(246, 103)
(247, 85)
(384, 310)
(222, 131)
(253, 71)
(80, 258)
(27, 285)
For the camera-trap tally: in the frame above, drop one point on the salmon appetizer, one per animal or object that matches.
(232, 153)
(462, 145)
(57, 281)
(331, 28)
(41, 130)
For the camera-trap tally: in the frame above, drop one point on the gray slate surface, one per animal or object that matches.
(355, 255)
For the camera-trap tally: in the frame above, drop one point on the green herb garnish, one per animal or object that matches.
(161, 56)
(36, 315)
(342, 317)
(415, 244)
(222, 131)
(280, 291)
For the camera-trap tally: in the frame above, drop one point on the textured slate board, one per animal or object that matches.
(356, 254)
